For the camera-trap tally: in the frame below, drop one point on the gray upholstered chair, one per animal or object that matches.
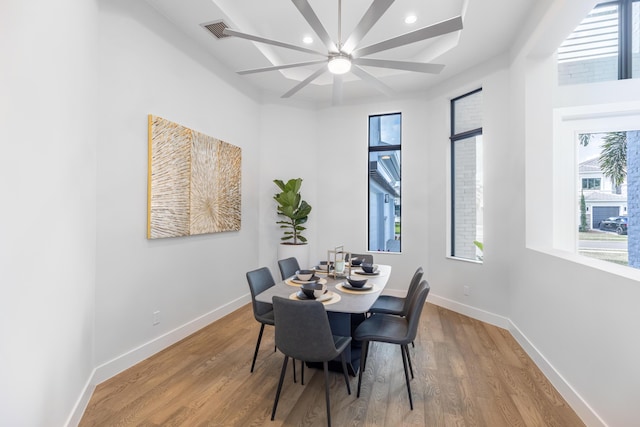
(288, 267)
(259, 281)
(389, 304)
(393, 329)
(303, 332)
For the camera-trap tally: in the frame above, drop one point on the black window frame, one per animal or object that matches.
(381, 148)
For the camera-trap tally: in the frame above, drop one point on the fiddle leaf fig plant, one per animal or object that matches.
(293, 209)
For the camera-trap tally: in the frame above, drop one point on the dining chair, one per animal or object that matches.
(259, 281)
(392, 329)
(303, 332)
(288, 267)
(389, 304)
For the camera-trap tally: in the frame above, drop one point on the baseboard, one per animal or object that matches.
(467, 310)
(137, 355)
(577, 403)
(573, 398)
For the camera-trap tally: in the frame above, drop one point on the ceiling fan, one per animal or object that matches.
(348, 56)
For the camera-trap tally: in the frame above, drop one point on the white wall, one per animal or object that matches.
(146, 67)
(578, 320)
(47, 215)
(288, 137)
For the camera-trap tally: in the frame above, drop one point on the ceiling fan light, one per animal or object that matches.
(339, 64)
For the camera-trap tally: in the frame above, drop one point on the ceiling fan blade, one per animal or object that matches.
(305, 82)
(281, 67)
(375, 12)
(230, 32)
(337, 89)
(435, 30)
(371, 80)
(419, 67)
(305, 9)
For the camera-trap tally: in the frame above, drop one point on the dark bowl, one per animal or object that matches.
(313, 290)
(356, 261)
(368, 268)
(357, 283)
(305, 274)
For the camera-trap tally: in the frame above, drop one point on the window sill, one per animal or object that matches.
(606, 266)
(472, 261)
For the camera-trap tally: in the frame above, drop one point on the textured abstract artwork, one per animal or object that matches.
(194, 182)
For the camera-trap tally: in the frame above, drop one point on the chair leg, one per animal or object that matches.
(294, 370)
(302, 372)
(325, 365)
(344, 371)
(255, 353)
(275, 403)
(406, 377)
(363, 361)
(406, 350)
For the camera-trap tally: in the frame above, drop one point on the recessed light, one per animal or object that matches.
(410, 19)
(307, 40)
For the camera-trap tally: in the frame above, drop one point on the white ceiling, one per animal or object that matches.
(490, 26)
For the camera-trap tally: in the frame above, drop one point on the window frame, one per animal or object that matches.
(382, 148)
(453, 138)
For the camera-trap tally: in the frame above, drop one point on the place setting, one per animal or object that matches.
(303, 277)
(356, 286)
(315, 291)
(367, 270)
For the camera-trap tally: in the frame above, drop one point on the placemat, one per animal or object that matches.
(335, 297)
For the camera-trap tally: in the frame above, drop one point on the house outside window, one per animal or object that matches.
(467, 199)
(385, 182)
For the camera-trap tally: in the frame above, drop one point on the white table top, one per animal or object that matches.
(349, 302)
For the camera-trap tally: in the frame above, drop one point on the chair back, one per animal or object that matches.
(302, 330)
(259, 281)
(288, 267)
(413, 287)
(415, 309)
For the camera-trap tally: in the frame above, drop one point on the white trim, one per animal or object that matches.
(575, 401)
(125, 361)
(467, 310)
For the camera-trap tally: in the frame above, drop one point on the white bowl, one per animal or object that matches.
(304, 274)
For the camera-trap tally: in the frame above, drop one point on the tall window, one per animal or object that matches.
(605, 46)
(384, 182)
(466, 176)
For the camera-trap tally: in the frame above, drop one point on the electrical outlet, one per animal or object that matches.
(466, 290)
(156, 317)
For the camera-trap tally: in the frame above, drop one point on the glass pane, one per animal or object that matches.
(468, 203)
(590, 53)
(609, 212)
(635, 39)
(384, 201)
(384, 130)
(467, 113)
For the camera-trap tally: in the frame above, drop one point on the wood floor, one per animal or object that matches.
(467, 373)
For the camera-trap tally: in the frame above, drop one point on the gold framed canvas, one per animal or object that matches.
(193, 183)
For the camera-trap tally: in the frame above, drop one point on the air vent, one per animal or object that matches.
(216, 28)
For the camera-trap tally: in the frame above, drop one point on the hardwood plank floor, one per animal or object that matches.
(467, 373)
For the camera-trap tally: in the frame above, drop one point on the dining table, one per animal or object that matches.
(346, 307)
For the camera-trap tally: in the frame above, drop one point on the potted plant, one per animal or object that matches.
(294, 209)
(294, 212)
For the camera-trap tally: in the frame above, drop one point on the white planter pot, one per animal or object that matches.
(300, 252)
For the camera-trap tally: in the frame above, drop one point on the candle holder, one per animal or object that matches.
(338, 258)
